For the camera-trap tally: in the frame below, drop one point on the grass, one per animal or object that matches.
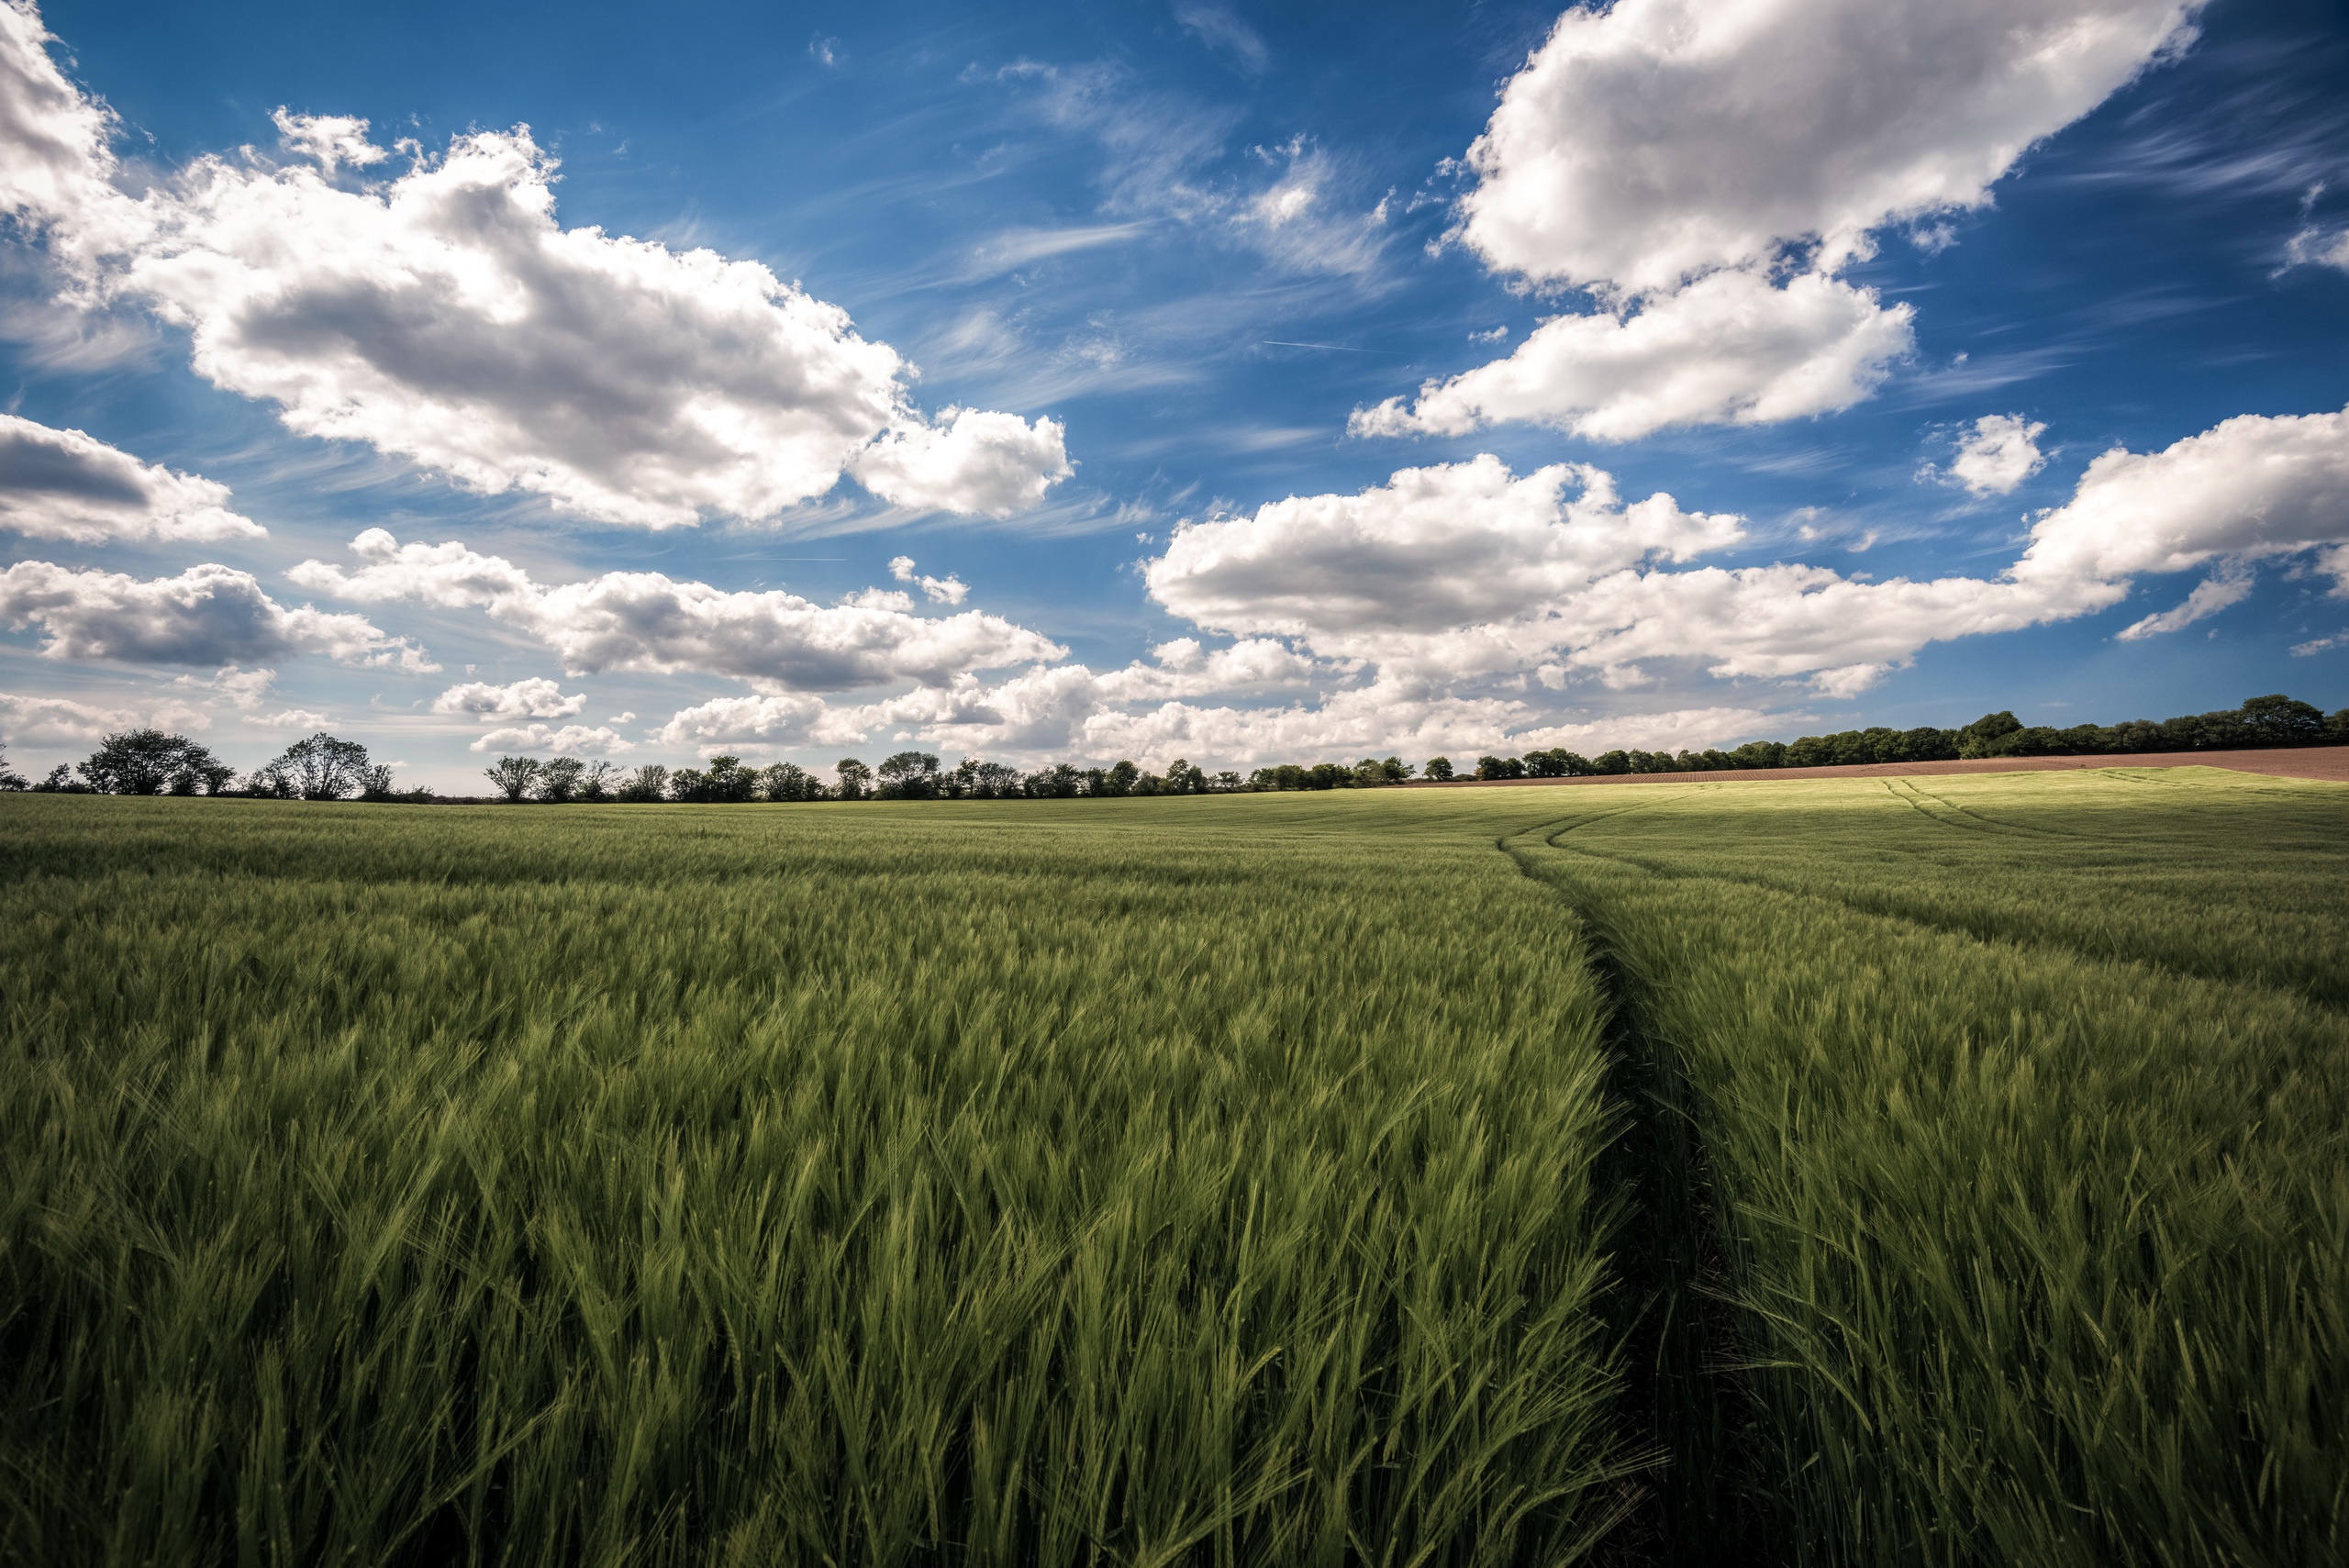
(844, 1185)
(2023, 1112)
(1940, 1172)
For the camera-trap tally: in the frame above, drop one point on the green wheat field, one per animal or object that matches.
(1936, 1171)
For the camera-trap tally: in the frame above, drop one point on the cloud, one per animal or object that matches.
(571, 738)
(329, 140)
(971, 461)
(947, 590)
(1226, 34)
(2315, 247)
(206, 614)
(70, 486)
(1657, 140)
(2320, 645)
(1706, 171)
(1159, 149)
(2209, 598)
(36, 720)
(2250, 488)
(1996, 455)
(643, 620)
(537, 697)
(59, 163)
(1074, 713)
(1438, 554)
(1466, 570)
(1729, 349)
(444, 316)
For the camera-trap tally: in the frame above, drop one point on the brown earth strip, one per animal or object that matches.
(2327, 762)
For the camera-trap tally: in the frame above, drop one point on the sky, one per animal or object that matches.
(1243, 383)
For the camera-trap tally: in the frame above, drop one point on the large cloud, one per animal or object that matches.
(643, 620)
(206, 614)
(1430, 553)
(1657, 140)
(1706, 170)
(58, 157)
(27, 721)
(1460, 571)
(1728, 349)
(536, 697)
(445, 316)
(67, 485)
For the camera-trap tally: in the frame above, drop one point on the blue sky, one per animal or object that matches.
(1175, 259)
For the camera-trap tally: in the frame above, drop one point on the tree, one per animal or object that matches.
(200, 772)
(323, 767)
(856, 779)
(10, 779)
(2278, 721)
(788, 782)
(513, 776)
(558, 780)
(375, 783)
(649, 783)
(147, 762)
(1227, 782)
(597, 784)
(1982, 738)
(1438, 770)
(1119, 780)
(909, 775)
(270, 782)
(726, 780)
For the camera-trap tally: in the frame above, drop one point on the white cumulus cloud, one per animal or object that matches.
(1997, 454)
(570, 740)
(1706, 170)
(27, 721)
(1655, 141)
(445, 316)
(71, 485)
(208, 615)
(536, 697)
(947, 590)
(1729, 349)
(643, 620)
(1465, 570)
(329, 140)
(2209, 596)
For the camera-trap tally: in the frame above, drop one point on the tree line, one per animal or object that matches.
(2272, 720)
(323, 767)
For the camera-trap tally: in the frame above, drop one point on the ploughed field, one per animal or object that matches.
(1873, 1170)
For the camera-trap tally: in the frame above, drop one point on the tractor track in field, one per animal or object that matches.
(1981, 931)
(1684, 1394)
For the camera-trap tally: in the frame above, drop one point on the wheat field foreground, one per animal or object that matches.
(1915, 1171)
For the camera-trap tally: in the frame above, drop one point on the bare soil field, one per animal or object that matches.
(2329, 762)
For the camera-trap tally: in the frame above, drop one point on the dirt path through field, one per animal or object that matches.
(2327, 762)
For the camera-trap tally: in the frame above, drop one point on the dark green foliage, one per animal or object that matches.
(152, 762)
(928, 1183)
(514, 776)
(320, 768)
(2022, 1102)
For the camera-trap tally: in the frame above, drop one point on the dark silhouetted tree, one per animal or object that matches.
(322, 767)
(855, 778)
(559, 779)
(514, 775)
(909, 775)
(147, 762)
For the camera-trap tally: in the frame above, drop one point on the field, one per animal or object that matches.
(1934, 1171)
